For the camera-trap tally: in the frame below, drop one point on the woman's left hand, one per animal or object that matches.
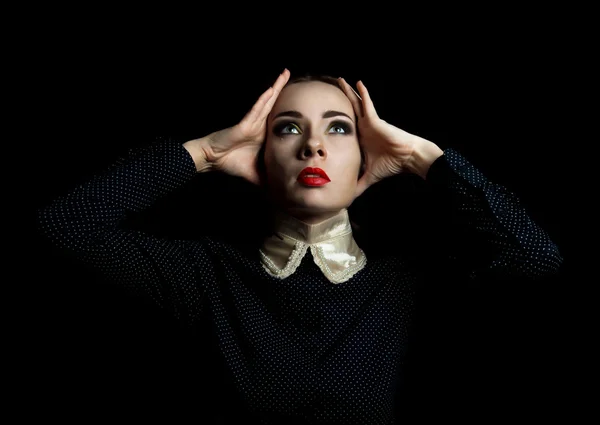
(388, 150)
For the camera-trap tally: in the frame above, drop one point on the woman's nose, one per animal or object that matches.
(313, 147)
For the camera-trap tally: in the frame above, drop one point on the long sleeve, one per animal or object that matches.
(487, 230)
(88, 224)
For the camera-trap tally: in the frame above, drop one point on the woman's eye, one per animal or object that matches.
(292, 128)
(340, 128)
(337, 129)
(289, 128)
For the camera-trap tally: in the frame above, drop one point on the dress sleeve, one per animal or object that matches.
(88, 224)
(484, 228)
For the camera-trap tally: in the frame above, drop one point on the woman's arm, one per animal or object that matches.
(481, 226)
(89, 224)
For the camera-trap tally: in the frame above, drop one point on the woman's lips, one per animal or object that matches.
(313, 177)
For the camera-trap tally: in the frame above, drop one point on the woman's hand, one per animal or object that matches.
(388, 150)
(234, 150)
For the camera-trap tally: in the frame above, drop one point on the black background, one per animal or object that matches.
(92, 350)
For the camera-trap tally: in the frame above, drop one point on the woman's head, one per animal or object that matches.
(312, 124)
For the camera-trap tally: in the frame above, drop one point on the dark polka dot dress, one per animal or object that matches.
(299, 349)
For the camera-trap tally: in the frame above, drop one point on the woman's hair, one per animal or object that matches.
(319, 77)
(327, 79)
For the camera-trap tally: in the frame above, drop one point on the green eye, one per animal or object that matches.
(287, 128)
(337, 129)
(340, 127)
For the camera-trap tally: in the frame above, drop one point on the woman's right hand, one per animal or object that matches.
(234, 150)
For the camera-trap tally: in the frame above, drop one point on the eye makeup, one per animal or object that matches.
(343, 125)
(285, 128)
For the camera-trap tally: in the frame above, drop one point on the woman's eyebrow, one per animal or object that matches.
(329, 114)
(296, 114)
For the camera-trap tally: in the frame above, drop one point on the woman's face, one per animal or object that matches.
(312, 124)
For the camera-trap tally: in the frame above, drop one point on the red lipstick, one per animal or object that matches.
(313, 177)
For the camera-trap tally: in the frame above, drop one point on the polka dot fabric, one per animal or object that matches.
(297, 350)
(515, 245)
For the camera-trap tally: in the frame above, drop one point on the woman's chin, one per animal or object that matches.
(312, 203)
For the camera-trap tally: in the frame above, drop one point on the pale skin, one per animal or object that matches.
(307, 139)
(312, 124)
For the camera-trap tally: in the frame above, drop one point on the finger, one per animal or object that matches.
(259, 105)
(281, 80)
(353, 96)
(367, 102)
(277, 87)
(256, 112)
(357, 95)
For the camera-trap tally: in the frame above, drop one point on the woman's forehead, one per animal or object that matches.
(312, 98)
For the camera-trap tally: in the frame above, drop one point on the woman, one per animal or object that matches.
(309, 328)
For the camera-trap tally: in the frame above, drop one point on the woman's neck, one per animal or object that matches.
(311, 217)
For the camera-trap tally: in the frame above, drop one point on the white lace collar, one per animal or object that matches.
(331, 243)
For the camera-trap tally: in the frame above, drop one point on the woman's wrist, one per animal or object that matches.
(197, 149)
(424, 154)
